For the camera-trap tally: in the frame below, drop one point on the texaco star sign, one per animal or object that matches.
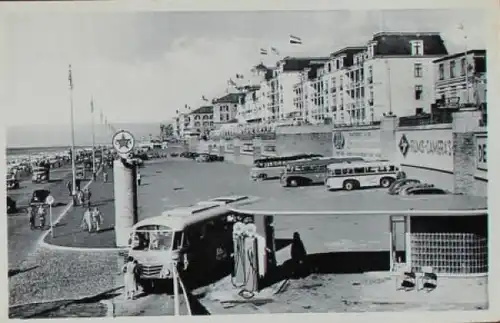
(123, 142)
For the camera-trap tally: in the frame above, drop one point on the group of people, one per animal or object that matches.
(92, 218)
(33, 213)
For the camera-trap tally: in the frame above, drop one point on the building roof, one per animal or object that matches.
(398, 43)
(374, 203)
(204, 109)
(229, 98)
(294, 64)
(348, 50)
(478, 52)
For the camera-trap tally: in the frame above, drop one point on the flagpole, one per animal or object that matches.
(93, 137)
(73, 152)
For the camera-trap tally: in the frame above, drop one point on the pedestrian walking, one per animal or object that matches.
(97, 219)
(129, 270)
(138, 178)
(81, 198)
(41, 216)
(136, 275)
(104, 176)
(69, 185)
(31, 215)
(86, 196)
(87, 221)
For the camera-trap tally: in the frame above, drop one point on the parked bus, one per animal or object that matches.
(309, 172)
(273, 167)
(198, 237)
(359, 175)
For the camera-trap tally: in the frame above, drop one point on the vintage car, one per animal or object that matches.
(40, 174)
(12, 182)
(11, 205)
(39, 197)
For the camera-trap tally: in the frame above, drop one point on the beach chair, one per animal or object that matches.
(408, 279)
(428, 279)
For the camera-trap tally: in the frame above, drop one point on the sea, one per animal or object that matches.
(36, 139)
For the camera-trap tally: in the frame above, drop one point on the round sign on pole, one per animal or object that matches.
(123, 142)
(49, 200)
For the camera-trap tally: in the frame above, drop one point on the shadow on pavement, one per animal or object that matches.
(47, 310)
(13, 272)
(330, 263)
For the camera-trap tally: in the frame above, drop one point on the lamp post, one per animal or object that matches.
(461, 27)
(73, 168)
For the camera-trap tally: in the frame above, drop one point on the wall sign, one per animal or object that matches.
(362, 143)
(247, 147)
(426, 148)
(481, 152)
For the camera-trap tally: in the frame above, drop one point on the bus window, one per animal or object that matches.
(359, 170)
(350, 171)
(338, 172)
(382, 169)
(392, 168)
(177, 241)
(345, 171)
(160, 240)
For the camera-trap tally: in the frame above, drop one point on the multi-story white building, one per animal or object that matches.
(451, 73)
(225, 108)
(285, 77)
(199, 121)
(392, 74)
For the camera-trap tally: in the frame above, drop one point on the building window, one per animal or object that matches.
(452, 69)
(417, 48)
(441, 71)
(417, 70)
(419, 89)
(329, 67)
(337, 64)
(462, 66)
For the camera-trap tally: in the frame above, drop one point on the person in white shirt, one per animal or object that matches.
(87, 220)
(97, 219)
(138, 178)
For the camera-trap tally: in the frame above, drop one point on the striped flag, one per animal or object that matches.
(204, 98)
(263, 51)
(295, 40)
(70, 78)
(274, 50)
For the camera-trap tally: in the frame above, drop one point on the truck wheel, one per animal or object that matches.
(349, 185)
(386, 182)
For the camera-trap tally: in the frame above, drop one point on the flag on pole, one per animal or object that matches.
(91, 105)
(204, 98)
(231, 82)
(274, 50)
(239, 76)
(263, 51)
(70, 78)
(295, 40)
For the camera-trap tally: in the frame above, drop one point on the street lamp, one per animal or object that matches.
(73, 168)
(461, 27)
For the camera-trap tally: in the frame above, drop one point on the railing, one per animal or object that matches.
(178, 281)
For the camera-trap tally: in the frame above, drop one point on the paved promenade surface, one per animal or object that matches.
(21, 239)
(69, 233)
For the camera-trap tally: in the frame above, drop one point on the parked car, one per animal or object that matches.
(426, 191)
(203, 158)
(12, 182)
(39, 197)
(11, 205)
(213, 158)
(174, 154)
(400, 183)
(405, 189)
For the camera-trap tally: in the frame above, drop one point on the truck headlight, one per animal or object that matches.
(164, 273)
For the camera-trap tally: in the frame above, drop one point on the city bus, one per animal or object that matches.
(199, 237)
(359, 175)
(273, 167)
(310, 172)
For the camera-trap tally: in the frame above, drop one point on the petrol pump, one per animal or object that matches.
(253, 251)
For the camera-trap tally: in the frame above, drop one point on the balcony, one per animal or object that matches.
(370, 103)
(370, 80)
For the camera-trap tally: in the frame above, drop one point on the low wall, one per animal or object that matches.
(450, 156)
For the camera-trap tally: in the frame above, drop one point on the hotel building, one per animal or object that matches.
(451, 73)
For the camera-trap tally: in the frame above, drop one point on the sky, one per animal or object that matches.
(142, 66)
